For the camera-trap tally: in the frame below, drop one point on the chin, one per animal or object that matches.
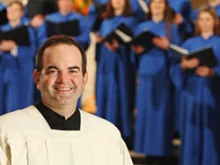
(64, 101)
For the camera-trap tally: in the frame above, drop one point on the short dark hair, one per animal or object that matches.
(18, 3)
(57, 40)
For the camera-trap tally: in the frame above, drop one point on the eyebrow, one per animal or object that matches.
(52, 67)
(70, 68)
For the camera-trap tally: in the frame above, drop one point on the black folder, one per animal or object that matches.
(144, 39)
(19, 35)
(205, 55)
(41, 7)
(3, 17)
(70, 28)
(120, 34)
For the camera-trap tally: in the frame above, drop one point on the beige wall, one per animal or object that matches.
(198, 3)
(7, 1)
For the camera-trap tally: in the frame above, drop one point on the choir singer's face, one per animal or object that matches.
(205, 22)
(65, 6)
(14, 12)
(157, 6)
(61, 81)
(118, 4)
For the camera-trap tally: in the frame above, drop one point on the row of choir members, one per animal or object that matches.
(17, 60)
(154, 96)
(166, 85)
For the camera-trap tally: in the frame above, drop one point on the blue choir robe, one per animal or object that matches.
(154, 119)
(184, 8)
(137, 10)
(200, 104)
(16, 74)
(185, 30)
(93, 12)
(116, 79)
(2, 6)
(83, 39)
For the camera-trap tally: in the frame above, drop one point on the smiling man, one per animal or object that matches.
(54, 131)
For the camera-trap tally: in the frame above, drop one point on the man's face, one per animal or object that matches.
(61, 81)
(14, 12)
(65, 6)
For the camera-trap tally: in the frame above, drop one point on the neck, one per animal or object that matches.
(14, 23)
(64, 13)
(157, 17)
(118, 12)
(63, 110)
(206, 35)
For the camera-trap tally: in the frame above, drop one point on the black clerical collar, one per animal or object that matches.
(57, 121)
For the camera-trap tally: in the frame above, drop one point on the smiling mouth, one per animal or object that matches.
(63, 89)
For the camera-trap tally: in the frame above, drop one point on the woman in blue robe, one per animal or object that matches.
(17, 63)
(66, 14)
(115, 74)
(199, 131)
(215, 4)
(154, 119)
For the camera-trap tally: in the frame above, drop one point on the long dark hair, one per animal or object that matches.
(168, 16)
(109, 10)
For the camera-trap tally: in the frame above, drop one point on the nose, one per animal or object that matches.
(63, 77)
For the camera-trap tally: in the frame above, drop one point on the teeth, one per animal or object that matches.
(63, 89)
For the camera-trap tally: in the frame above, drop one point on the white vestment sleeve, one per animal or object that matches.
(3, 157)
(126, 156)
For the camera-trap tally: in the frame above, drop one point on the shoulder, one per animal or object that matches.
(77, 15)
(97, 124)
(216, 38)
(145, 23)
(191, 40)
(53, 16)
(173, 26)
(5, 27)
(18, 119)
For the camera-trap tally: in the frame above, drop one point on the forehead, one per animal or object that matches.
(62, 55)
(15, 5)
(65, 1)
(205, 14)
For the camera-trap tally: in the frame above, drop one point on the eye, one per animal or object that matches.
(52, 71)
(73, 71)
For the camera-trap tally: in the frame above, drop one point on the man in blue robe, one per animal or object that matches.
(66, 14)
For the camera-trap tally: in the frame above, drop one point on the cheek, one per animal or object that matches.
(75, 80)
(45, 83)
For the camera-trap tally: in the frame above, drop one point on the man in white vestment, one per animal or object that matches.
(54, 131)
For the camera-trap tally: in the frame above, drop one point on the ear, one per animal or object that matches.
(36, 76)
(85, 80)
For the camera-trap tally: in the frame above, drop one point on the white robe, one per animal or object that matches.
(26, 139)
